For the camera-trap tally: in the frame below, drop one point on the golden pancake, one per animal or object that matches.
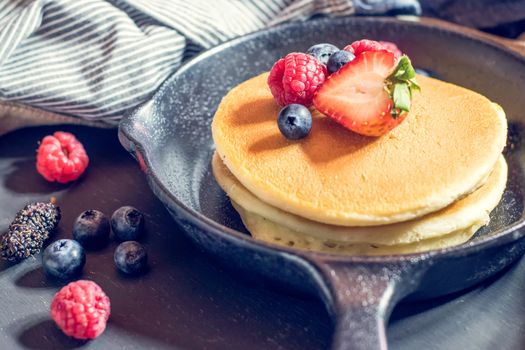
(470, 211)
(447, 145)
(268, 231)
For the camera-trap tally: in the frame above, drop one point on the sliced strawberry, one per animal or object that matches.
(390, 46)
(370, 94)
(364, 45)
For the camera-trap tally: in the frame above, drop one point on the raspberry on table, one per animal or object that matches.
(295, 78)
(61, 157)
(81, 309)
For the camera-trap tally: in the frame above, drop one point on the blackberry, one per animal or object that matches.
(21, 242)
(43, 216)
(29, 230)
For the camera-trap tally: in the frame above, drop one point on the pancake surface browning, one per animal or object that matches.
(334, 176)
(452, 225)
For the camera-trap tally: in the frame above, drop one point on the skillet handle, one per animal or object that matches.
(360, 297)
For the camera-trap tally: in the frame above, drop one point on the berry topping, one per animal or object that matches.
(360, 46)
(295, 78)
(294, 121)
(127, 223)
(369, 95)
(21, 241)
(43, 216)
(63, 259)
(322, 52)
(339, 59)
(81, 310)
(91, 228)
(390, 46)
(130, 257)
(61, 157)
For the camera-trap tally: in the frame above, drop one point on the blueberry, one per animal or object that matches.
(322, 52)
(339, 59)
(91, 228)
(422, 72)
(295, 121)
(130, 257)
(127, 223)
(63, 259)
(426, 73)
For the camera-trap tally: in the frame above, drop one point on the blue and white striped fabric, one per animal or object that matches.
(96, 59)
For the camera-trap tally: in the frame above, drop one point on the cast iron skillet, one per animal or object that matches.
(170, 138)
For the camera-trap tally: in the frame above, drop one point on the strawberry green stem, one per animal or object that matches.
(400, 85)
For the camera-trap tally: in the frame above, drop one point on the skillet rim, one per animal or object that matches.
(508, 234)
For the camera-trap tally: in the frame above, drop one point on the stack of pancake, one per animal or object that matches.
(429, 183)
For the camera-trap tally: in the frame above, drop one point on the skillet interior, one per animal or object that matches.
(173, 129)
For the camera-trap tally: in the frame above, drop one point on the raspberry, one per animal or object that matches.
(390, 46)
(295, 78)
(61, 157)
(81, 310)
(360, 46)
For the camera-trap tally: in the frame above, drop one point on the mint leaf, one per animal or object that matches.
(401, 97)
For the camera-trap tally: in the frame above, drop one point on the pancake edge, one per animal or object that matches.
(427, 227)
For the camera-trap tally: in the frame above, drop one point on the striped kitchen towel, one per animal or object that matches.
(96, 59)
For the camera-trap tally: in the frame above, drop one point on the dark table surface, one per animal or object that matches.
(187, 301)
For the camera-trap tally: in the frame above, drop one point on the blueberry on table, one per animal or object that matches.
(339, 59)
(130, 257)
(294, 121)
(63, 259)
(322, 52)
(91, 228)
(127, 223)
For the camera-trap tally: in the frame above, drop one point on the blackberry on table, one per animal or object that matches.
(29, 230)
(43, 216)
(21, 241)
